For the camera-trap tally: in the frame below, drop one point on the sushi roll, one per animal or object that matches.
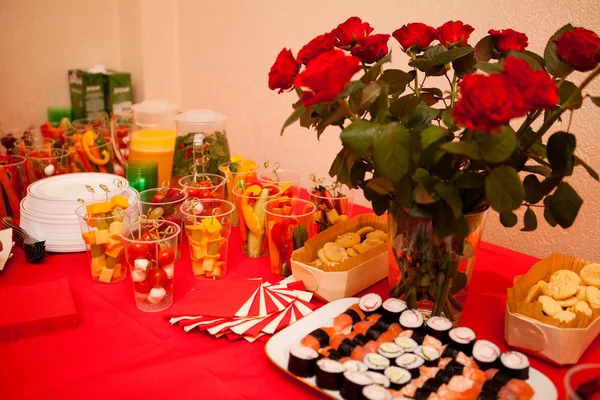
(422, 394)
(357, 366)
(492, 387)
(353, 384)
(379, 379)
(390, 350)
(454, 368)
(405, 343)
(346, 347)
(370, 303)
(462, 339)
(418, 336)
(376, 362)
(485, 354)
(432, 385)
(302, 361)
(411, 362)
(329, 374)
(334, 355)
(398, 377)
(360, 339)
(318, 338)
(487, 396)
(392, 308)
(345, 320)
(443, 376)
(450, 351)
(382, 324)
(515, 364)
(429, 354)
(375, 392)
(411, 319)
(439, 328)
(373, 333)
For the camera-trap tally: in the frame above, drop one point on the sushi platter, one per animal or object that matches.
(400, 359)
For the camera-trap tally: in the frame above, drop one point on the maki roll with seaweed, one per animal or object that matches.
(405, 343)
(515, 364)
(370, 303)
(375, 392)
(443, 376)
(390, 350)
(373, 332)
(398, 377)
(345, 320)
(360, 339)
(379, 379)
(302, 362)
(411, 362)
(411, 320)
(318, 338)
(462, 339)
(346, 347)
(454, 368)
(329, 374)
(353, 384)
(391, 309)
(418, 336)
(376, 362)
(429, 354)
(354, 365)
(485, 354)
(439, 328)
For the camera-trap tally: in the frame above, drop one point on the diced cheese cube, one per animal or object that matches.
(98, 263)
(98, 208)
(115, 229)
(212, 225)
(114, 251)
(214, 245)
(119, 201)
(197, 267)
(106, 275)
(208, 264)
(89, 237)
(117, 270)
(102, 236)
(112, 243)
(198, 251)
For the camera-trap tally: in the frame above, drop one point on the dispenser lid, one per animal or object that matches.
(200, 116)
(154, 107)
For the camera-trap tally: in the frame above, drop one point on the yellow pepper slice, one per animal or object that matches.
(252, 221)
(88, 140)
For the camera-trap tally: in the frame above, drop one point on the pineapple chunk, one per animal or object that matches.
(106, 275)
(102, 236)
(115, 230)
(212, 225)
(98, 263)
(198, 251)
(332, 216)
(197, 267)
(208, 264)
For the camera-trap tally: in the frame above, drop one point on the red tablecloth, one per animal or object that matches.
(118, 351)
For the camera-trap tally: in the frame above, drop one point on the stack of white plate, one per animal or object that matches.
(48, 210)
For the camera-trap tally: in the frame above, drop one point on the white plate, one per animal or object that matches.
(278, 348)
(70, 187)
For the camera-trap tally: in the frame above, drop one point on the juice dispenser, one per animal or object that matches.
(200, 135)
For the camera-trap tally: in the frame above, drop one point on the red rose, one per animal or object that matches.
(508, 39)
(371, 48)
(487, 102)
(578, 48)
(417, 35)
(347, 33)
(283, 72)
(454, 33)
(537, 88)
(318, 45)
(326, 76)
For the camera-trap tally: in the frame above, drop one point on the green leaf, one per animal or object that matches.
(536, 57)
(554, 65)
(442, 58)
(565, 204)
(433, 51)
(533, 189)
(451, 196)
(470, 149)
(498, 147)
(396, 80)
(359, 135)
(375, 69)
(391, 151)
(369, 94)
(352, 87)
(403, 192)
(336, 117)
(526, 57)
(380, 185)
(357, 174)
(403, 105)
(508, 219)
(464, 65)
(415, 117)
(380, 204)
(565, 91)
(595, 100)
(489, 68)
(484, 49)
(379, 110)
(422, 196)
(538, 169)
(561, 149)
(295, 116)
(434, 91)
(547, 214)
(342, 164)
(551, 182)
(431, 135)
(504, 189)
(448, 119)
(589, 169)
(469, 180)
(529, 221)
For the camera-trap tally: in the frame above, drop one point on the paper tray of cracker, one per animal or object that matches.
(553, 311)
(344, 259)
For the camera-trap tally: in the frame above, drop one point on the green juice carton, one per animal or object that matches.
(87, 93)
(117, 92)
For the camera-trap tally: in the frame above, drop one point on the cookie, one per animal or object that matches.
(364, 230)
(534, 292)
(321, 255)
(370, 243)
(583, 307)
(334, 252)
(564, 316)
(560, 290)
(352, 252)
(565, 275)
(360, 248)
(581, 293)
(593, 296)
(549, 305)
(568, 302)
(381, 235)
(590, 275)
(347, 240)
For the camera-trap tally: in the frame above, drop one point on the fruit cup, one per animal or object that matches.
(289, 181)
(164, 203)
(150, 247)
(43, 163)
(238, 170)
(13, 183)
(101, 224)
(207, 224)
(204, 186)
(333, 206)
(289, 224)
(249, 202)
(89, 151)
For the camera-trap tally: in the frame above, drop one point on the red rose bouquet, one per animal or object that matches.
(434, 158)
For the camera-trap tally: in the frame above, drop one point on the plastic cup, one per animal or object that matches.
(94, 158)
(289, 224)
(200, 185)
(331, 209)
(47, 163)
(104, 246)
(154, 144)
(23, 146)
(233, 177)
(252, 219)
(289, 180)
(99, 124)
(207, 224)
(142, 175)
(149, 248)
(13, 183)
(582, 382)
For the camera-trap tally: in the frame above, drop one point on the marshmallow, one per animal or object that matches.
(199, 208)
(141, 264)
(138, 276)
(156, 295)
(169, 270)
(49, 170)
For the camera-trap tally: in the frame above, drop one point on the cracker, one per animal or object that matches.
(549, 305)
(560, 290)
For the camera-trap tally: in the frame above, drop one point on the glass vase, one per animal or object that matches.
(432, 273)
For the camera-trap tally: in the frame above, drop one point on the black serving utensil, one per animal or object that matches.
(35, 250)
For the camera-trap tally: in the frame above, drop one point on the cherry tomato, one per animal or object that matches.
(193, 192)
(142, 287)
(157, 198)
(157, 277)
(206, 194)
(288, 193)
(204, 184)
(137, 250)
(165, 257)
